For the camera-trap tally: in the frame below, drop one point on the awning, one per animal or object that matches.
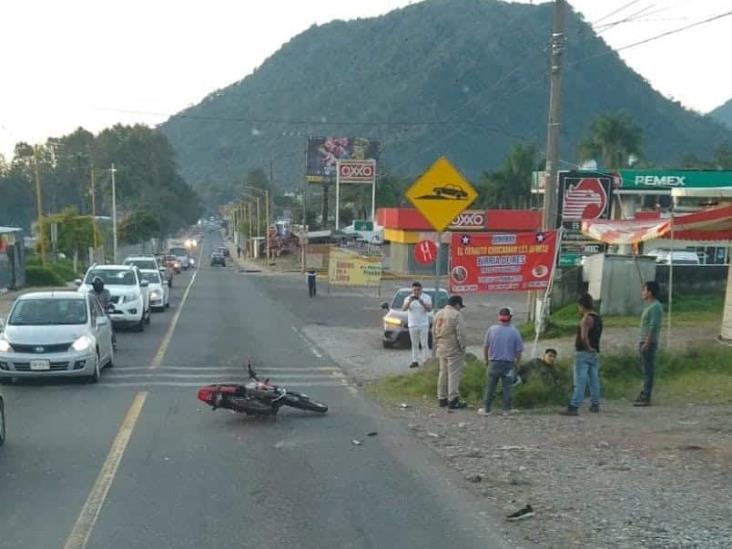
(711, 224)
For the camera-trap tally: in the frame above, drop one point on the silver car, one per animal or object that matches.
(158, 291)
(64, 334)
(396, 328)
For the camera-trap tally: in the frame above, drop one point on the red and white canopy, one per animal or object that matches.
(706, 225)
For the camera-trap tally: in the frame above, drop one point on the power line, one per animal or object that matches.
(621, 8)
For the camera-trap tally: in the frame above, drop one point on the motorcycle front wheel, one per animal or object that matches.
(304, 403)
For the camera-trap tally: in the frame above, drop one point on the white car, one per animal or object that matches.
(142, 262)
(55, 334)
(158, 290)
(128, 290)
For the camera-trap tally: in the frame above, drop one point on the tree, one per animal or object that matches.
(612, 138)
(721, 160)
(75, 232)
(138, 227)
(510, 186)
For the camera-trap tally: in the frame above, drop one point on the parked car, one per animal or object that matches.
(129, 292)
(218, 258)
(2, 419)
(157, 289)
(396, 328)
(55, 334)
(223, 250)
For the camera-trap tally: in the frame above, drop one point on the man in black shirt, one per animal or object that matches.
(586, 358)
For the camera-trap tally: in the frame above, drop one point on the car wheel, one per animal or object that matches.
(140, 326)
(149, 316)
(96, 374)
(2, 421)
(110, 362)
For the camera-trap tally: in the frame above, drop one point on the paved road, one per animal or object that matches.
(189, 477)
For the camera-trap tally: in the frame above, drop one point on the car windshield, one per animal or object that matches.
(142, 263)
(48, 312)
(178, 251)
(114, 277)
(152, 278)
(401, 295)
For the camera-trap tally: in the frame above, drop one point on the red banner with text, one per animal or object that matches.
(501, 262)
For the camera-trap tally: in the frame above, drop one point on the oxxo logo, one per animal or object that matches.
(585, 200)
(356, 171)
(469, 219)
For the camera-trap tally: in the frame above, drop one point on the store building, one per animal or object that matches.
(404, 228)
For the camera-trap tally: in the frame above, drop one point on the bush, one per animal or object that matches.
(40, 276)
(64, 268)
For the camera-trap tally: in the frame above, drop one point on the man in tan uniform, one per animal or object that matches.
(448, 333)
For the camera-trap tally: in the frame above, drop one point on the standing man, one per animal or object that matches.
(418, 305)
(312, 290)
(448, 333)
(238, 251)
(502, 352)
(650, 330)
(586, 357)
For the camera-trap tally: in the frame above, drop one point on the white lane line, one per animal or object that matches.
(90, 512)
(198, 384)
(218, 369)
(316, 353)
(207, 376)
(158, 358)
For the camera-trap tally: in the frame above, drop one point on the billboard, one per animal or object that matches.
(501, 262)
(346, 268)
(324, 153)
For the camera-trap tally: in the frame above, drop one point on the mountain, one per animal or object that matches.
(465, 78)
(723, 114)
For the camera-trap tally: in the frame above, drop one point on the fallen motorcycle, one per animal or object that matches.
(260, 398)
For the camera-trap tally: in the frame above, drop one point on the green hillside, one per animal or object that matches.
(465, 78)
(723, 114)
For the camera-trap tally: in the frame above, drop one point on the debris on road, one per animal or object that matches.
(372, 434)
(521, 514)
(356, 442)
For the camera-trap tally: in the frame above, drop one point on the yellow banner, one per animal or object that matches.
(350, 269)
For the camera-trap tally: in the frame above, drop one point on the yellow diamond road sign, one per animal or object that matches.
(441, 193)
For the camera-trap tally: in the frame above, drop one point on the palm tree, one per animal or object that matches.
(613, 138)
(510, 186)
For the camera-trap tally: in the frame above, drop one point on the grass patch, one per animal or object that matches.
(688, 310)
(702, 375)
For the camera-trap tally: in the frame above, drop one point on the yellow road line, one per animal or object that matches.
(90, 512)
(160, 355)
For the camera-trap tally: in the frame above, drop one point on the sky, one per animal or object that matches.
(94, 63)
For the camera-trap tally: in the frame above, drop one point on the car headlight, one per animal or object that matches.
(392, 320)
(155, 294)
(82, 344)
(5, 346)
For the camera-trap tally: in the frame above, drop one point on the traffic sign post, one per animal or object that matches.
(440, 194)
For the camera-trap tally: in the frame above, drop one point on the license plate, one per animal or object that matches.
(40, 365)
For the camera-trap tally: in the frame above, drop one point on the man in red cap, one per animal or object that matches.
(502, 350)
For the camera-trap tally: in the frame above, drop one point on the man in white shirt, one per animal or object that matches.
(418, 305)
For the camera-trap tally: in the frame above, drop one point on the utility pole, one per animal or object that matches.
(266, 215)
(549, 217)
(114, 215)
(39, 205)
(552, 138)
(94, 209)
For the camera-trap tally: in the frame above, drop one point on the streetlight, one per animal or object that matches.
(112, 171)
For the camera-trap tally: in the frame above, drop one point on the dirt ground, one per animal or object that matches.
(627, 477)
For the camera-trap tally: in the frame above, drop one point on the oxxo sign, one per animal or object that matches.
(356, 171)
(469, 220)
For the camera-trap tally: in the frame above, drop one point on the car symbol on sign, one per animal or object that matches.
(450, 191)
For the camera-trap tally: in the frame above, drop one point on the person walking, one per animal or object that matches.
(418, 305)
(448, 334)
(238, 251)
(586, 357)
(502, 351)
(312, 280)
(650, 331)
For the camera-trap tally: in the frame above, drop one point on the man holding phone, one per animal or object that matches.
(418, 305)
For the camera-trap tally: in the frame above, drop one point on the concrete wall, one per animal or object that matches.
(693, 278)
(615, 280)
